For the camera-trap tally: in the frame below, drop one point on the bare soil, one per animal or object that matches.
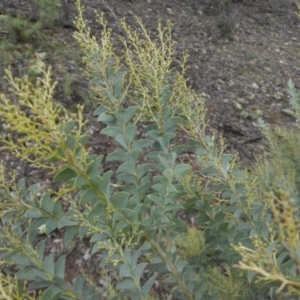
(242, 55)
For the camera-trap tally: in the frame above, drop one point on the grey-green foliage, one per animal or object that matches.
(132, 214)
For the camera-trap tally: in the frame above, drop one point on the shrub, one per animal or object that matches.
(239, 239)
(48, 11)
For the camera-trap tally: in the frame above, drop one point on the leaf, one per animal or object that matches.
(157, 200)
(21, 186)
(121, 140)
(134, 155)
(142, 143)
(58, 210)
(70, 234)
(19, 222)
(118, 155)
(98, 111)
(96, 182)
(34, 226)
(49, 264)
(166, 112)
(65, 174)
(33, 214)
(31, 274)
(118, 84)
(60, 267)
(65, 221)
(88, 196)
(71, 141)
(94, 168)
(130, 132)
(105, 185)
(97, 237)
(83, 230)
(127, 167)
(138, 270)
(171, 123)
(125, 270)
(80, 182)
(173, 207)
(180, 170)
(111, 131)
(38, 285)
(119, 228)
(50, 226)
(129, 214)
(95, 296)
(124, 177)
(18, 259)
(209, 171)
(106, 117)
(180, 148)
(83, 140)
(146, 179)
(120, 200)
(166, 97)
(148, 285)
(250, 276)
(142, 169)
(78, 285)
(161, 188)
(68, 126)
(60, 282)
(47, 204)
(97, 211)
(128, 113)
(219, 217)
(110, 72)
(41, 249)
(163, 144)
(126, 284)
(51, 293)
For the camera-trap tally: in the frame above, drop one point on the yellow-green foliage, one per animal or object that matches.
(227, 285)
(191, 244)
(144, 70)
(265, 259)
(38, 121)
(12, 289)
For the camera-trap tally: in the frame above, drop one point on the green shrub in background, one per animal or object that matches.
(48, 11)
(240, 238)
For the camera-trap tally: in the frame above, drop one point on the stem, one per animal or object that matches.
(173, 268)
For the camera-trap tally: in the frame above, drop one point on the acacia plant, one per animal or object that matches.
(239, 227)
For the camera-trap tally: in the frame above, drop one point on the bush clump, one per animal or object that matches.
(239, 239)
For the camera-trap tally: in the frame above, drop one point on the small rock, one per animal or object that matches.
(255, 85)
(220, 82)
(277, 96)
(237, 105)
(199, 12)
(264, 89)
(170, 11)
(251, 97)
(234, 38)
(242, 100)
(288, 112)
